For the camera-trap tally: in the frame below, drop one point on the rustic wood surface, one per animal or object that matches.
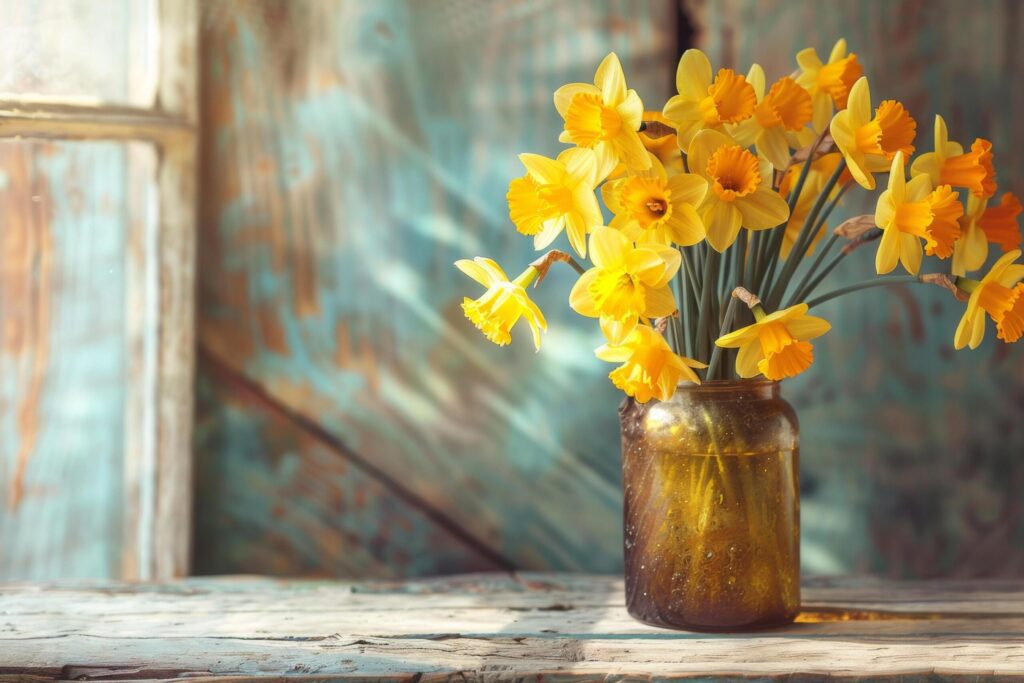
(352, 151)
(97, 263)
(495, 627)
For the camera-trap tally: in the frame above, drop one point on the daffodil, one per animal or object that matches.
(650, 369)
(504, 302)
(604, 116)
(949, 165)
(821, 170)
(704, 102)
(776, 345)
(909, 212)
(627, 283)
(557, 194)
(784, 110)
(666, 148)
(651, 206)
(983, 224)
(828, 84)
(869, 144)
(739, 196)
(998, 294)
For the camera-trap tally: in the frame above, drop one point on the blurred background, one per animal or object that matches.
(302, 175)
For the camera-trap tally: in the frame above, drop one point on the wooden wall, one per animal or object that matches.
(353, 151)
(351, 422)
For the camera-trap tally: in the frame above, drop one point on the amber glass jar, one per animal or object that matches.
(712, 507)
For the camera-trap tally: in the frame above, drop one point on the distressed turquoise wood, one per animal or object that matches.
(66, 219)
(353, 152)
(911, 452)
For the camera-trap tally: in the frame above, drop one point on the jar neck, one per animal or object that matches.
(729, 390)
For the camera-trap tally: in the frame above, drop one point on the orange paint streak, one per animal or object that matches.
(26, 249)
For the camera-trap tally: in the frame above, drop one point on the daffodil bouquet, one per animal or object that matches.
(719, 237)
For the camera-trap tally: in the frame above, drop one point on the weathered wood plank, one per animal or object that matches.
(355, 150)
(496, 627)
(286, 500)
(65, 218)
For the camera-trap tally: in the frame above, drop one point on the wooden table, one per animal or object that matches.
(496, 627)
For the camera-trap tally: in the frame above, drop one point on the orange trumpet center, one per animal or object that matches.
(734, 172)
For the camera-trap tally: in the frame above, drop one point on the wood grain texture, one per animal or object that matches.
(98, 242)
(353, 151)
(66, 219)
(292, 502)
(496, 627)
(910, 452)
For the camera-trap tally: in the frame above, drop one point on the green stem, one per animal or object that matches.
(804, 239)
(716, 351)
(706, 310)
(865, 284)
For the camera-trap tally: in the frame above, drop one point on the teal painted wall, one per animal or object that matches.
(352, 151)
(65, 226)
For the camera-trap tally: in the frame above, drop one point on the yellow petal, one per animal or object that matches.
(475, 271)
(977, 330)
(660, 302)
(678, 108)
(755, 77)
(703, 145)
(808, 59)
(888, 254)
(722, 221)
(926, 164)
(552, 228)
(970, 251)
(608, 247)
(576, 231)
(687, 187)
(808, 327)
(918, 188)
(684, 226)
(963, 330)
(611, 80)
(838, 51)
(533, 316)
(773, 145)
(613, 353)
(822, 103)
(610, 195)
(632, 149)
(897, 180)
(763, 209)
(616, 331)
(543, 170)
(747, 360)
(911, 252)
(738, 337)
(859, 103)
(693, 75)
(564, 95)
(580, 165)
(580, 298)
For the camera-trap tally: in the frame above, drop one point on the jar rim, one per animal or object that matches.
(724, 385)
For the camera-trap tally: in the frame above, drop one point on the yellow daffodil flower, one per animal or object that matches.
(821, 170)
(776, 345)
(981, 225)
(869, 144)
(706, 103)
(652, 206)
(828, 84)
(605, 116)
(784, 110)
(504, 302)
(998, 294)
(948, 165)
(650, 369)
(909, 212)
(739, 196)
(557, 194)
(627, 283)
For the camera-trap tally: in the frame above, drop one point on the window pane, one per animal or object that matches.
(73, 214)
(79, 50)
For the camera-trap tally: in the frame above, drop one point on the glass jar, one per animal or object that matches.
(712, 507)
